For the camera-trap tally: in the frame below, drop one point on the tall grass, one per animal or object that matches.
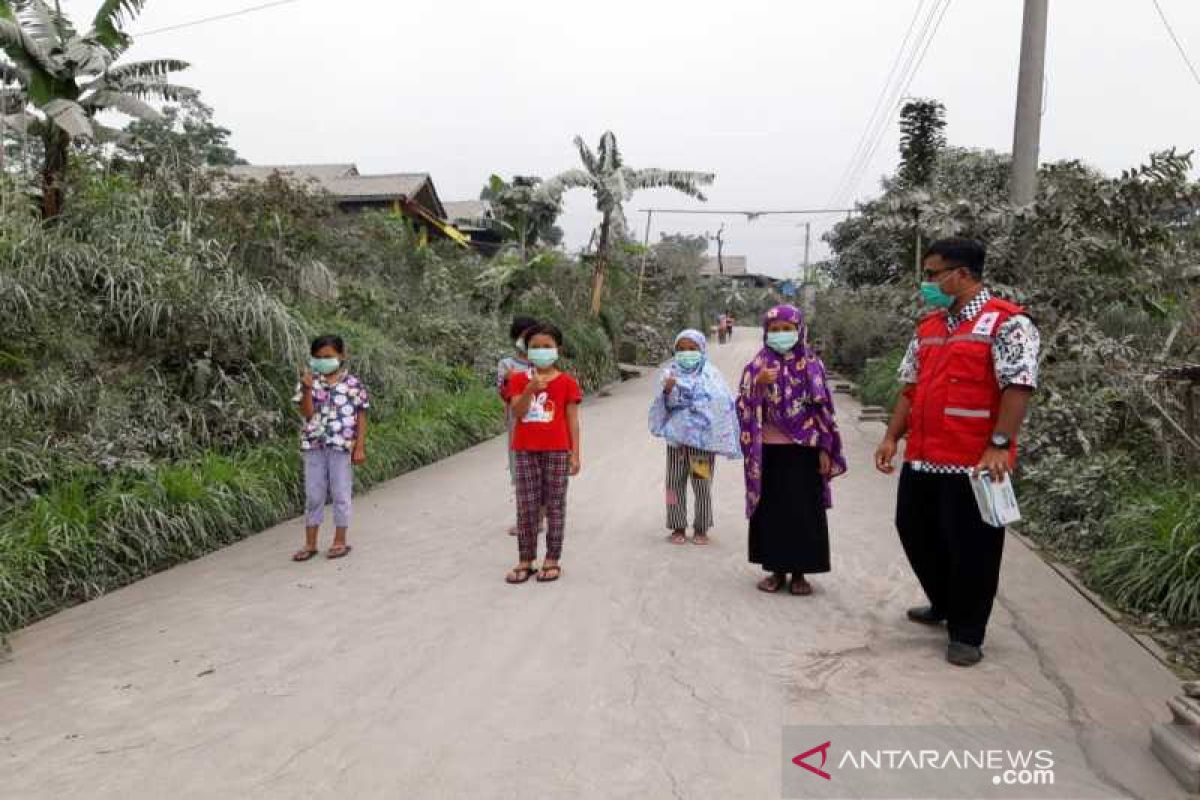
(1152, 563)
(92, 532)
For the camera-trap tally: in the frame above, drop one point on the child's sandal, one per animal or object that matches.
(520, 574)
(303, 555)
(545, 577)
(339, 551)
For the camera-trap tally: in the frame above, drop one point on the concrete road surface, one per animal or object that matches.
(411, 670)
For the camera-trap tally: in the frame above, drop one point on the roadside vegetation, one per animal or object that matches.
(1109, 266)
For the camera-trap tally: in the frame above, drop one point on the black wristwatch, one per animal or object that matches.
(1001, 441)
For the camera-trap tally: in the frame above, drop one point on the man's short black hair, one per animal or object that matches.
(958, 251)
(545, 329)
(519, 326)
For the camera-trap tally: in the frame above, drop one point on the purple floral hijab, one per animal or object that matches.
(799, 404)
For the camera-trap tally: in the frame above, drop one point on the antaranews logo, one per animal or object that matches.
(823, 749)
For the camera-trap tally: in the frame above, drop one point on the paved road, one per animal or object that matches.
(410, 670)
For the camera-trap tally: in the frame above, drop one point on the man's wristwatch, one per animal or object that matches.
(1001, 441)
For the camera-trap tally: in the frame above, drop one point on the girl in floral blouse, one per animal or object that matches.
(334, 404)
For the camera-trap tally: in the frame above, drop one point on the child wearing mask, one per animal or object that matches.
(695, 413)
(517, 362)
(334, 406)
(546, 449)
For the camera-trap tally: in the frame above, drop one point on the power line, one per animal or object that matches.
(215, 18)
(916, 59)
(879, 127)
(862, 140)
(1178, 44)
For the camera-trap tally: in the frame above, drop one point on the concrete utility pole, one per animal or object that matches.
(645, 252)
(807, 238)
(1027, 129)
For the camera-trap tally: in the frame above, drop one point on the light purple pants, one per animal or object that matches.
(328, 477)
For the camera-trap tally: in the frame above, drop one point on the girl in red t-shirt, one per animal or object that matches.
(545, 443)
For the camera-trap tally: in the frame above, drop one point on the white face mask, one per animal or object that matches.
(543, 356)
(520, 345)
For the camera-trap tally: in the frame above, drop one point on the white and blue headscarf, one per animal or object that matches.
(700, 411)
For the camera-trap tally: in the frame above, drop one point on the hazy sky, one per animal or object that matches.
(771, 95)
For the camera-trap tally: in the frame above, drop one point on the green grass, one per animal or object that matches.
(877, 384)
(1151, 563)
(94, 532)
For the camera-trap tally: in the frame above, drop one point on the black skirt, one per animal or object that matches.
(789, 531)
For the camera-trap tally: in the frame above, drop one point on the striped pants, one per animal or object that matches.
(679, 469)
(541, 483)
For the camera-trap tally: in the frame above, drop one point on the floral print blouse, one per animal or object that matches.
(336, 404)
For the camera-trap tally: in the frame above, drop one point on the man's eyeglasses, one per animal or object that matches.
(936, 275)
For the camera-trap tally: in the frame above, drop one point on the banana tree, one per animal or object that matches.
(612, 183)
(66, 79)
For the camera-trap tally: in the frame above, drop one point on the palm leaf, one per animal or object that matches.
(609, 154)
(120, 101)
(38, 21)
(25, 51)
(156, 88)
(688, 183)
(87, 58)
(106, 27)
(552, 188)
(586, 156)
(147, 70)
(69, 116)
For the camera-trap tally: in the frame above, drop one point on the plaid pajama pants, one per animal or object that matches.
(541, 482)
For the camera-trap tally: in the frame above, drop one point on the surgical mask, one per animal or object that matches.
(543, 356)
(520, 345)
(324, 366)
(782, 341)
(688, 360)
(932, 294)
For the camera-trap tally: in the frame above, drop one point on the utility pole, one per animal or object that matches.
(1027, 129)
(645, 252)
(807, 238)
(721, 249)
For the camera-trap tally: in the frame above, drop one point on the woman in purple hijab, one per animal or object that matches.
(792, 448)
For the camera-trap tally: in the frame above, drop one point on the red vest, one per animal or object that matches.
(957, 400)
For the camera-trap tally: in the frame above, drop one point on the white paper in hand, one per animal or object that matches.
(997, 500)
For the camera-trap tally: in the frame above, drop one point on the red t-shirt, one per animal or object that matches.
(544, 426)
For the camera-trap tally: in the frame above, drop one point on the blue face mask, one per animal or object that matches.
(932, 294)
(543, 356)
(688, 360)
(782, 341)
(324, 366)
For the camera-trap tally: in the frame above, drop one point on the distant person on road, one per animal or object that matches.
(968, 375)
(694, 411)
(546, 444)
(793, 449)
(722, 328)
(334, 406)
(517, 362)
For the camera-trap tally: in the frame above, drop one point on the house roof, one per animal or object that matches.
(734, 265)
(318, 172)
(471, 211)
(346, 183)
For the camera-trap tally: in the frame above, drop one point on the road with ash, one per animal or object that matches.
(410, 669)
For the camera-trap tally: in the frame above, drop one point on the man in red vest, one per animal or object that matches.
(968, 375)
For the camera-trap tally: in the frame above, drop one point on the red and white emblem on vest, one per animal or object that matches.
(957, 398)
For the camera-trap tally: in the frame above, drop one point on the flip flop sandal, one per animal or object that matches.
(701, 539)
(541, 578)
(520, 574)
(342, 553)
(770, 588)
(303, 555)
(677, 538)
(801, 588)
